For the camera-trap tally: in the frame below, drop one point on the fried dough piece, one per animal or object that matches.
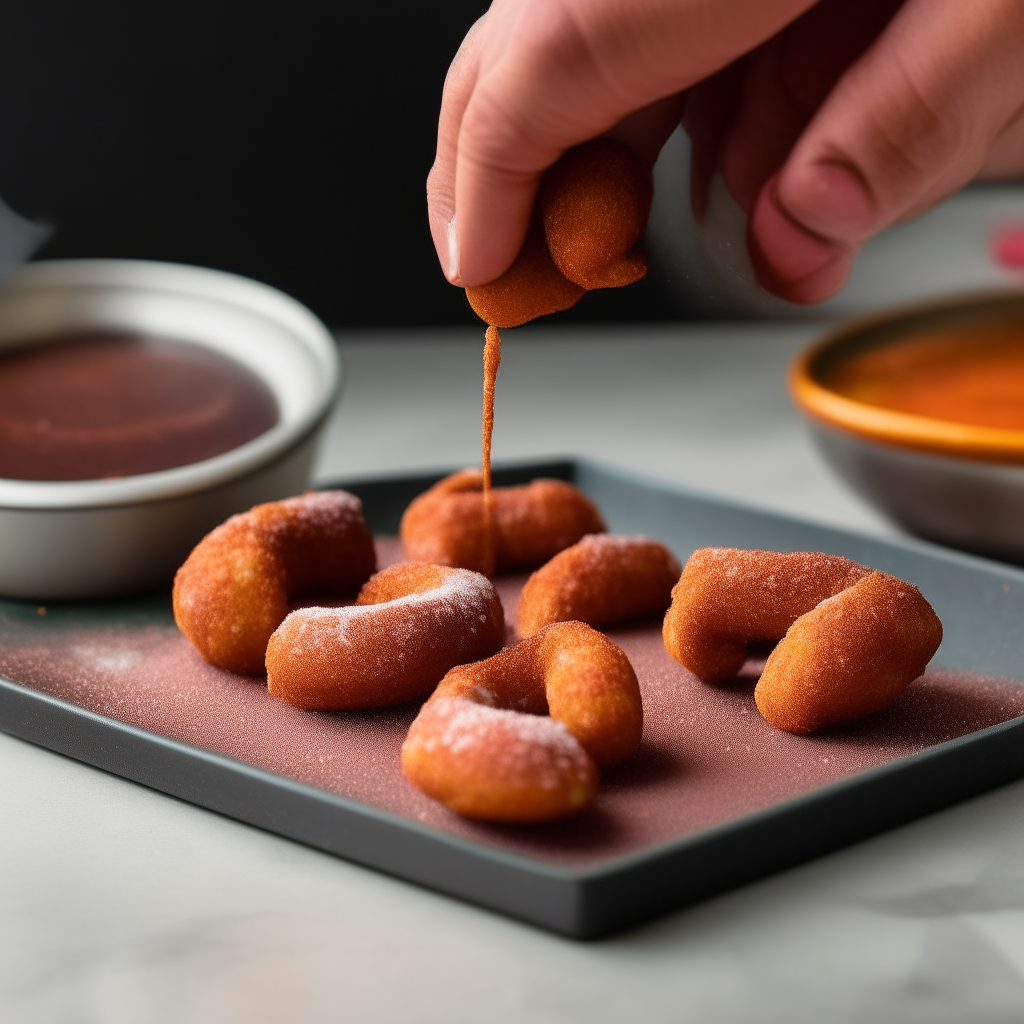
(236, 586)
(850, 639)
(518, 737)
(411, 623)
(448, 524)
(591, 210)
(600, 580)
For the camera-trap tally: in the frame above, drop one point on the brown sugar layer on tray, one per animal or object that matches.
(518, 737)
(602, 579)
(707, 756)
(851, 639)
(240, 580)
(449, 524)
(411, 623)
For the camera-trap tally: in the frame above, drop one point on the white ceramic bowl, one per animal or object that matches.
(89, 538)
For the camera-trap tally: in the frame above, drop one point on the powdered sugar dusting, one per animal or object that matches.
(114, 659)
(456, 599)
(316, 511)
(596, 547)
(514, 746)
(469, 723)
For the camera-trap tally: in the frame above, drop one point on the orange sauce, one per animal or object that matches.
(975, 376)
(492, 360)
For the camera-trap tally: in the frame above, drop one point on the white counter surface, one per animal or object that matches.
(118, 904)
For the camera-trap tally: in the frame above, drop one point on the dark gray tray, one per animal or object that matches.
(980, 602)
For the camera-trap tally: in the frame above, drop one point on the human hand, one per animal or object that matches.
(856, 115)
(535, 77)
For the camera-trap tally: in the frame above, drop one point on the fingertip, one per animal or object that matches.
(442, 224)
(447, 247)
(789, 260)
(473, 261)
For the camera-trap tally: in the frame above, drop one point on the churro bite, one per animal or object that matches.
(533, 286)
(451, 524)
(850, 639)
(519, 737)
(238, 583)
(602, 579)
(727, 598)
(852, 654)
(591, 210)
(595, 203)
(411, 623)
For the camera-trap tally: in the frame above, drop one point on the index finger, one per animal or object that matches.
(458, 87)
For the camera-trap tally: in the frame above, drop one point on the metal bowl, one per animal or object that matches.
(954, 483)
(90, 538)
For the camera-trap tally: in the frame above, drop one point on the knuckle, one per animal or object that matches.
(907, 141)
(496, 135)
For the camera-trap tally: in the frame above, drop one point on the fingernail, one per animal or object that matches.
(453, 251)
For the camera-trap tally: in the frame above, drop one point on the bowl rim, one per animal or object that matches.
(900, 429)
(193, 282)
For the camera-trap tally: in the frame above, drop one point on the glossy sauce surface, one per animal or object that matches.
(101, 404)
(974, 377)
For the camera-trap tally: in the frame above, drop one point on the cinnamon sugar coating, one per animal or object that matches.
(595, 202)
(448, 524)
(518, 737)
(602, 579)
(531, 287)
(236, 586)
(726, 598)
(591, 210)
(411, 623)
(849, 656)
(851, 639)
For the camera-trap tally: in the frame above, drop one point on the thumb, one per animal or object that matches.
(910, 122)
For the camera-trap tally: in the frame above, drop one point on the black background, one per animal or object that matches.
(288, 142)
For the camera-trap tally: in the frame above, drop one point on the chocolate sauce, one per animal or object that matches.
(94, 404)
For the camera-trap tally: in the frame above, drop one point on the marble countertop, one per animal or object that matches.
(118, 904)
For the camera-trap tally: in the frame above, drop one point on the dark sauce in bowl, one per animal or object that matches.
(94, 404)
